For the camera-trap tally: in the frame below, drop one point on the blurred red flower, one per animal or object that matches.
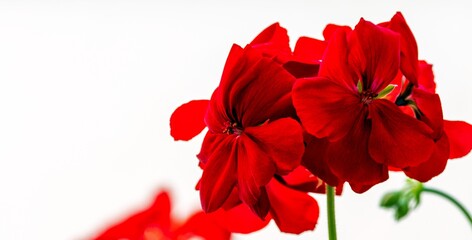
(156, 223)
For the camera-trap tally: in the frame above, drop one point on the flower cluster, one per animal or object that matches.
(349, 108)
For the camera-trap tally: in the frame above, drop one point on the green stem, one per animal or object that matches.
(330, 192)
(451, 199)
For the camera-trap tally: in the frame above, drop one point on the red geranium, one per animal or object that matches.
(253, 140)
(346, 104)
(251, 136)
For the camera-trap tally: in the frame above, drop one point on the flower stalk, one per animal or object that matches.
(452, 200)
(409, 197)
(330, 192)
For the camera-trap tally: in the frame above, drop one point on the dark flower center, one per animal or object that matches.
(232, 128)
(367, 96)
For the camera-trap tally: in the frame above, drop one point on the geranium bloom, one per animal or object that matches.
(156, 223)
(346, 104)
(253, 140)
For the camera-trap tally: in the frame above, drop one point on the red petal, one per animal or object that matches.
(253, 102)
(254, 165)
(306, 58)
(315, 159)
(325, 108)
(232, 66)
(273, 41)
(300, 69)
(309, 49)
(134, 227)
(398, 139)
(216, 115)
(434, 166)
(374, 55)
(335, 64)
(460, 138)
(210, 141)
(408, 111)
(232, 200)
(349, 157)
(360, 188)
(303, 180)
(281, 141)
(331, 29)
(399, 84)
(264, 150)
(255, 169)
(187, 120)
(219, 175)
(408, 48)
(430, 106)
(239, 219)
(292, 211)
(426, 77)
(202, 225)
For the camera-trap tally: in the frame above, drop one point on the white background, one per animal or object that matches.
(87, 89)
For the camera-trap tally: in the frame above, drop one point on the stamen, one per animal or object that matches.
(367, 96)
(232, 128)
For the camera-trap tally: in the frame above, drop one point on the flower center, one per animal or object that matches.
(232, 128)
(367, 96)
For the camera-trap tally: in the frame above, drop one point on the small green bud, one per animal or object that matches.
(404, 200)
(390, 199)
(401, 211)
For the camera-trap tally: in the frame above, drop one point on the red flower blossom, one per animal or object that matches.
(345, 104)
(156, 223)
(244, 145)
(253, 141)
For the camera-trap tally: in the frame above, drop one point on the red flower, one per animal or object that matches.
(156, 223)
(251, 135)
(253, 141)
(345, 104)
